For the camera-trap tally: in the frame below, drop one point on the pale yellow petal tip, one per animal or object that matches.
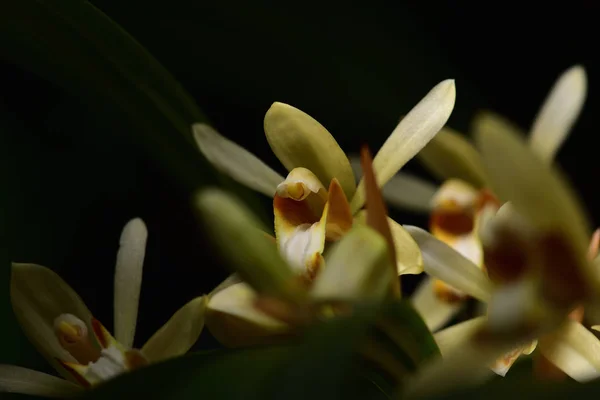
(449, 87)
(576, 76)
(211, 199)
(135, 227)
(596, 328)
(277, 107)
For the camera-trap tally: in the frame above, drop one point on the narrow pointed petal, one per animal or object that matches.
(559, 113)
(404, 190)
(408, 255)
(128, 279)
(435, 310)
(298, 140)
(180, 332)
(357, 268)
(413, 132)
(450, 155)
(449, 338)
(234, 320)
(446, 264)
(21, 380)
(376, 211)
(235, 161)
(516, 174)
(38, 297)
(240, 237)
(575, 350)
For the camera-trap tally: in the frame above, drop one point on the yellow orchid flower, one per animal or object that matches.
(61, 327)
(539, 271)
(273, 297)
(455, 207)
(311, 204)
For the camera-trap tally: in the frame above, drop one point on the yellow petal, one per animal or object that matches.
(575, 350)
(235, 161)
(558, 113)
(297, 205)
(232, 318)
(376, 213)
(518, 175)
(453, 219)
(502, 365)
(357, 268)
(451, 337)
(240, 237)
(413, 132)
(298, 140)
(436, 310)
(301, 239)
(38, 297)
(446, 264)
(21, 380)
(180, 332)
(128, 279)
(450, 155)
(408, 255)
(300, 184)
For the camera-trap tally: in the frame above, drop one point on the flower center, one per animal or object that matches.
(111, 363)
(72, 334)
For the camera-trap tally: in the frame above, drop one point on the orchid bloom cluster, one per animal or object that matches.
(492, 237)
(83, 352)
(505, 229)
(533, 260)
(315, 206)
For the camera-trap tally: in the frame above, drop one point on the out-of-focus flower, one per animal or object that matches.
(537, 256)
(61, 327)
(456, 206)
(311, 204)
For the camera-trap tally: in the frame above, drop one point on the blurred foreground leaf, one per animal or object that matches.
(322, 363)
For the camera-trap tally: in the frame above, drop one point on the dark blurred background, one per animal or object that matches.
(73, 173)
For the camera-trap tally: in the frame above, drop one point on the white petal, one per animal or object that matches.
(574, 350)
(235, 161)
(21, 380)
(404, 190)
(449, 338)
(412, 134)
(559, 113)
(446, 264)
(180, 332)
(357, 267)
(435, 312)
(128, 279)
(38, 296)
